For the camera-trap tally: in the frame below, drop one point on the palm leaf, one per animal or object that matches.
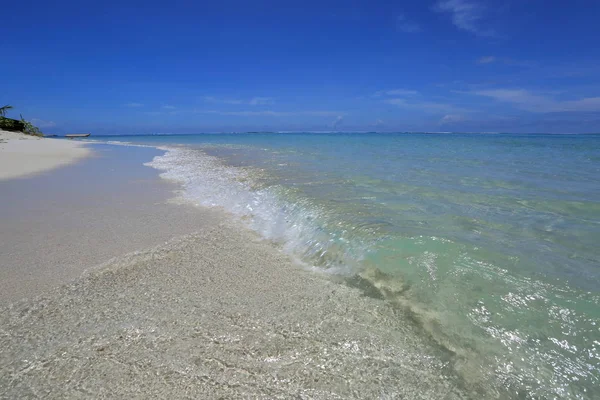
(4, 109)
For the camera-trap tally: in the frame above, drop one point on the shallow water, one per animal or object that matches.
(219, 314)
(489, 242)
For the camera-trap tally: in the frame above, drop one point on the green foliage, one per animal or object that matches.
(4, 109)
(9, 124)
(30, 129)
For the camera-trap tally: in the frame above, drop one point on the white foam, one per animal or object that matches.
(298, 227)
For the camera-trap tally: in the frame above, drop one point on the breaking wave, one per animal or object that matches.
(304, 230)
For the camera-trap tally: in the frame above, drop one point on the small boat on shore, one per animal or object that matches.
(77, 135)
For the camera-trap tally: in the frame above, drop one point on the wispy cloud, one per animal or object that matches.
(254, 101)
(395, 92)
(486, 60)
(168, 107)
(451, 119)
(427, 106)
(337, 122)
(466, 15)
(271, 113)
(412, 99)
(540, 102)
(506, 61)
(134, 105)
(218, 100)
(378, 123)
(407, 26)
(259, 101)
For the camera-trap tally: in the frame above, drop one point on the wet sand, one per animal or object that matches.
(56, 225)
(216, 312)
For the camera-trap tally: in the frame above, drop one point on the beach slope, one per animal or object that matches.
(22, 155)
(110, 290)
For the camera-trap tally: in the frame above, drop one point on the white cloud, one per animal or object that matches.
(396, 92)
(506, 61)
(379, 123)
(406, 25)
(428, 106)
(217, 100)
(451, 118)
(337, 122)
(486, 60)
(134, 105)
(260, 101)
(586, 104)
(271, 113)
(466, 15)
(168, 107)
(412, 99)
(254, 101)
(519, 97)
(540, 103)
(40, 123)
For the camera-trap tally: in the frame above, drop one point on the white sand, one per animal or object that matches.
(22, 155)
(215, 315)
(56, 225)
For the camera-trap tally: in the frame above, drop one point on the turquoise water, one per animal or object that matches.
(490, 243)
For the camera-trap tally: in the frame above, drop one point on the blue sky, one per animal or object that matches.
(193, 66)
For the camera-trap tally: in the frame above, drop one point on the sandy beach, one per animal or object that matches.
(22, 155)
(57, 224)
(296, 200)
(110, 290)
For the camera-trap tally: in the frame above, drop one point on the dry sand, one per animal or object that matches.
(22, 155)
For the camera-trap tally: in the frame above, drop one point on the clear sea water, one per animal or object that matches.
(489, 243)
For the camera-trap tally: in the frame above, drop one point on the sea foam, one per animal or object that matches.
(302, 229)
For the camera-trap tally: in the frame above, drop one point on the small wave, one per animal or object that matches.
(434, 282)
(128, 144)
(301, 228)
(118, 143)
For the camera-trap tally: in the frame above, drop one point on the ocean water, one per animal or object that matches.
(490, 244)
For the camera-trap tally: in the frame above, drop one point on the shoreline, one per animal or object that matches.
(129, 294)
(58, 224)
(157, 259)
(25, 156)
